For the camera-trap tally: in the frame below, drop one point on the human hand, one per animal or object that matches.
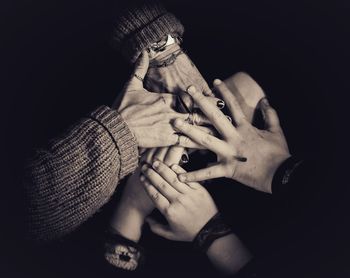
(177, 76)
(186, 206)
(264, 150)
(135, 203)
(148, 115)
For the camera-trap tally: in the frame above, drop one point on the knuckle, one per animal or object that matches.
(206, 140)
(155, 196)
(184, 140)
(174, 181)
(180, 199)
(162, 186)
(169, 212)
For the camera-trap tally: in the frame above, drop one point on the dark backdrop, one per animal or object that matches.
(58, 66)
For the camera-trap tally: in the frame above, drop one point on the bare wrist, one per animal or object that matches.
(128, 223)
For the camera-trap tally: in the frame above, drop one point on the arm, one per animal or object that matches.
(228, 254)
(192, 216)
(71, 179)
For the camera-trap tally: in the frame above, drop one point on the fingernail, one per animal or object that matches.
(184, 158)
(155, 164)
(217, 82)
(182, 178)
(191, 89)
(142, 178)
(220, 104)
(265, 102)
(174, 167)
(229, 118)
(144, 167)
(178, 123)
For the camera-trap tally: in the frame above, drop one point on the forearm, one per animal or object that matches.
(228, 254)
(71, 179)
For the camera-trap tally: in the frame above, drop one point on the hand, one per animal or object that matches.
(135, 203)
(176, 77)
(264, 150)
(148, 115)
(186, 206)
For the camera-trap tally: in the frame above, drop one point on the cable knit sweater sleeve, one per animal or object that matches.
(71, 179)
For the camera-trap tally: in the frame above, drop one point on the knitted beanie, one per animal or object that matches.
(137, 27)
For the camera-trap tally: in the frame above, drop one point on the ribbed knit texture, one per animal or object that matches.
(138, 27)
(68, 182)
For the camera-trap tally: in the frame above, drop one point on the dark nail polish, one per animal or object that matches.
(229, 118)
(220, 104)
(184, 158)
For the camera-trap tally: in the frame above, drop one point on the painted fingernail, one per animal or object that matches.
(155, 164)
(184, 158)
(178, 123)
(229, 118)
(217, 82)
(220, 104)
(191, 89)
(142, 178)
(182, 178)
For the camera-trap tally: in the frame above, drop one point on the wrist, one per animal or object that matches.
(284, 175)
(128, 222)
(272, 172)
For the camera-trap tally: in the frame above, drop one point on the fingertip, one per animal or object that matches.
(217, 82)
(182, 177)
(178, 122)
(174, 167)
(191, 90)
(142, 178)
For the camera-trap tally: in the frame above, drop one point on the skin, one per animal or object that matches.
(149, 115)
(188, 207)
(264, 149)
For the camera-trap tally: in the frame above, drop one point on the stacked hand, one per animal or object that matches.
(186, 206)
(263, 150)
(147, 114)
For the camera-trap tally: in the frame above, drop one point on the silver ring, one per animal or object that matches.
(138, 77)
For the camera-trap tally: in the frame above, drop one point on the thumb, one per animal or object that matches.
(140, 71)
(160, 229)
(272, 121)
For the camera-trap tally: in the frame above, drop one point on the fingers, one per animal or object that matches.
(169, 192)
(206, 140)
(160, 154)
(272, 121)
(174, 154)
(141, 67)
(216, 117)
(212, 172)
(231, 101)
(159, 229)
(148, 157)
(170, 176)
(159, 201)
(179, 170)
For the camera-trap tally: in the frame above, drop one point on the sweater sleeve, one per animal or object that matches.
(138, 26)
(71, 179)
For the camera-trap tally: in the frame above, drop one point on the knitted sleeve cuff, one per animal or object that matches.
(121, 135)
(138, 27)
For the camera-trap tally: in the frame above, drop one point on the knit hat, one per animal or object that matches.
(137, 27)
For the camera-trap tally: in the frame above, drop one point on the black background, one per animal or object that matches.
(58, 65)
